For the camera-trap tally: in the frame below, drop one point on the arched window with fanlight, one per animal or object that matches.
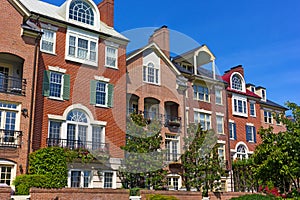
(82, 12)
(241, 152)
(236, 82)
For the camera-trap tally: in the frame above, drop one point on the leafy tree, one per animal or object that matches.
(278, 157)
(202, 167)
(143, 163)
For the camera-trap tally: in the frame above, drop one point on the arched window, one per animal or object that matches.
(241, 152)
(151, 73)
(77, 128)
(82, 12)
(236, 82)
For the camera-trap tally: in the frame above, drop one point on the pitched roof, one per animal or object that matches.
(273, 104)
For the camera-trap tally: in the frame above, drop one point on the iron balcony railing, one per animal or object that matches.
(172, 157)
(76, 144)
(10, 138)
(12, 85)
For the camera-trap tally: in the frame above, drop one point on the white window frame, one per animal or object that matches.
(61, 86)
(235, 110)
(268, 117)
(206, 96)
(231, 123)
(254, 109)
(173, 140)
(114, 179)
(219, 117)
(145, 74)
(222, 148)
(81, 185)
(207, 119)
(219, 92)
(116, 48)
(80, 34)
(13, 172)
(243, 89)
(53, 41)
(252, 132)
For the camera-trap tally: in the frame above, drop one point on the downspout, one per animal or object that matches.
(36, 48)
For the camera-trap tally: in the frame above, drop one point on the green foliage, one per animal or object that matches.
(201, 164)
(160, 197)
(24, 182)
(143, 163)
(243, 175)
(134, 192)
(254, 197)
(50, 162)
(278, 157)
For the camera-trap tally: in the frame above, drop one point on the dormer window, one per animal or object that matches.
(236, 82)
(82, 12)
(263, 94)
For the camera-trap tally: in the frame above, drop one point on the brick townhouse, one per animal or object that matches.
(81, 85)
(206, 101)
(18, 57)
(155, 90)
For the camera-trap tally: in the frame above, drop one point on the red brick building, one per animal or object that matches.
(18, 57)
(81, 84)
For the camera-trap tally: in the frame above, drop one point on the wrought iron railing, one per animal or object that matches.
(76, 144)
(12, 85)
(172, 157)
(10, 138)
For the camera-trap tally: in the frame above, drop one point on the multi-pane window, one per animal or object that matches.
(108, 179)
(5, 174)
(80, 179)
(232, 130)
(151, 73)
(220, 124)
(56, 85)
(201, 93)
(268, 117)
(221, 152)
(241, 152)
(101, 93)
(239, 105)
(171, 145)
(250, 133)
(8, 119)
(218, 93)
(48, 41)
(82, 12)
(173, 182)
(204, 119)
(54, 133)
(111, 56)
(252, 109)
(236, 82)
(77, 129)
(97, 138)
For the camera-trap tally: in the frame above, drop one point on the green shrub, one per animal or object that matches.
(160, 197)
(134, 192)
(254, 197)
(24, 182)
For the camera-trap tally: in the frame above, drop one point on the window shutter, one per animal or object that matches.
(234, 131)
(66, 94)
(110, 97)
(248, 134)
(254, 134)
(46, 83)
(93, 85)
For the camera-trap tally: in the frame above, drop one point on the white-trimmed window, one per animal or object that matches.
(201, 93)
(252, 109)
(171, 146)
(241, 152)
(218, 93)
(151, 73)
(101, 93)
(80, 179)
(237, 82)
(48, 41)
(56, 85)
(239, 105)
(221, 152)
(108, 179)
(232, 130)
(268, 117)
(173, 182)
(250, 133)
(111, 56)
(82, 47)
(204, 119)
(220, 124)
(82, 12)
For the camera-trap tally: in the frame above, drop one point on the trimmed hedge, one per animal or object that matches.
(160, 197)
(254, 197)
(24, 182)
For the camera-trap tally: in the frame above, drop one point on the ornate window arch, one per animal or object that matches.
(237, 82)
(82, 12)
(241, 152)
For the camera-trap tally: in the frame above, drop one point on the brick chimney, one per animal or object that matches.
(106, 9)
(161, 37)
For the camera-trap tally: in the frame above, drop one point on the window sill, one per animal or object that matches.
(107, 66)
(254, 116)
(232, 139)
(56, 99)
(157, 84)
(82, 61)
(101, 106)
(219, 104)
(48, 52)
(221, 133)
(240, 114)
(202, 100)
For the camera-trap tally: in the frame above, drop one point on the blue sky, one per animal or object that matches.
(261, 35)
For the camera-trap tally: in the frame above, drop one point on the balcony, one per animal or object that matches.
(172, 121)
(10, 138)
(12, 85)
(92, 147)
(172, 157)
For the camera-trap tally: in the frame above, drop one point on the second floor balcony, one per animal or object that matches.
(10, 138)
(12, 85)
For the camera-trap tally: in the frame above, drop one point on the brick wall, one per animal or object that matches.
(5, 193)
(109, 194)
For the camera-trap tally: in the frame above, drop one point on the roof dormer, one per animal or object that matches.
(237, 82)
(261, 91)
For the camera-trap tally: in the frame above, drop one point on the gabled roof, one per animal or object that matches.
(158, 50)
(273, 104)
(58, 13)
